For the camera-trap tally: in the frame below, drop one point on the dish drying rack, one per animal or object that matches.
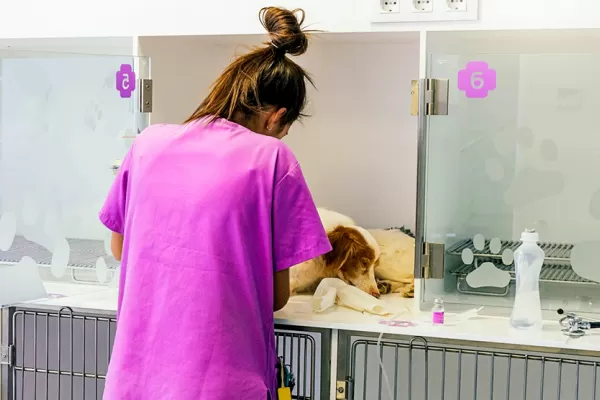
(556, 267)
(82, 257)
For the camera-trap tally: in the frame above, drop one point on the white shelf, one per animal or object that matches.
(298, 312)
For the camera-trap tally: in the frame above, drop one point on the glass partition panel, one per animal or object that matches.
(519, 150)
(65, 122)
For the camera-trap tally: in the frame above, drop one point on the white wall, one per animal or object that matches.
(58, 18)
(123, 46)
(358, 149)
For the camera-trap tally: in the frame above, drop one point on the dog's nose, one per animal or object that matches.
(375, 293)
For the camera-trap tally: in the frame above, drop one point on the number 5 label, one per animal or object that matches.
(477, 79)
(126, 80)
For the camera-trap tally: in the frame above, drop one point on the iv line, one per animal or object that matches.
(467, 314)
(380, 358)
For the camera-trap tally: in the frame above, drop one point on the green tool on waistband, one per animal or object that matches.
(284, 382)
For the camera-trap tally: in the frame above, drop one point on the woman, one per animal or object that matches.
(207, 217)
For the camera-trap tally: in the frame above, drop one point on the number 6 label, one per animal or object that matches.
(477, 79)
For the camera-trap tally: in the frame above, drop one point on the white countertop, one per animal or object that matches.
(298, 312)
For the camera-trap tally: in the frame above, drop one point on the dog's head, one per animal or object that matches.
(353, 257)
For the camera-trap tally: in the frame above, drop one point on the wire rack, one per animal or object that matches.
(553, 251)
(549, 273)
(556, 268)
(83, 253)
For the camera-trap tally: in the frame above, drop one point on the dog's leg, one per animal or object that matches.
(405, 287)
(293, 287)
(299, 286)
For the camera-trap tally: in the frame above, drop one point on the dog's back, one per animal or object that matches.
(331, 219)
(397, 253)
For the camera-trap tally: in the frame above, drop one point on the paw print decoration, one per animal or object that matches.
(487, 274)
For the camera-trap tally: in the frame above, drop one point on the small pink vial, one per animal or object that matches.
(438, 312)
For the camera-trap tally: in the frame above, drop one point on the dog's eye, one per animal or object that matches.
(365, 264)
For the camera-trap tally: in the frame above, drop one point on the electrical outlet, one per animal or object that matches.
(389, 6)
(420, 6)
(421, 11)
(456, 5)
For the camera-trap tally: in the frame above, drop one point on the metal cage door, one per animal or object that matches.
(57, 355)
(418, 369)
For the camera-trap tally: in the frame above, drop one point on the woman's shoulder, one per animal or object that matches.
(243, 137)
(158, 130)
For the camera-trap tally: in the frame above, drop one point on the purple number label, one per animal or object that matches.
(125, 81)
(477, 79)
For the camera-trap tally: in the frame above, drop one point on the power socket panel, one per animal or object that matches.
(389, 6)
(456, 5)
(420, 6)
(423, 11)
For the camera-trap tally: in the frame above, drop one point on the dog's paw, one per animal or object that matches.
(384, 287)
(409, 291)
(405, 288)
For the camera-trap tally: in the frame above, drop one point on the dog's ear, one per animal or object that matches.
(346, 243)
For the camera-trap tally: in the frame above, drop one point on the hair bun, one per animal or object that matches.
(285, 29)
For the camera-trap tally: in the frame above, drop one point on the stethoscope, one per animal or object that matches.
(575, 326)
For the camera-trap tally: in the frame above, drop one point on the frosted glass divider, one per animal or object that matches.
(63, 124)
(20, 282)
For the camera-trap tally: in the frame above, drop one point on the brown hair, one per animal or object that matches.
(265, 76)
(350, 251)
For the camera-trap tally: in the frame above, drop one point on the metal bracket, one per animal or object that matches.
(146, 87)
(115, 166)
(340, 390)
(433, 261)
(6, 355)
(436, 96)
(414, 97)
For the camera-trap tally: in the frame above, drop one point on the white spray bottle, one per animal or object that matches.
(529, 258)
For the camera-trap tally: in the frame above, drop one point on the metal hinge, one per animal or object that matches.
(340, 390)
(432, 265)
(436, 96)
(145, 86)
(6, 355)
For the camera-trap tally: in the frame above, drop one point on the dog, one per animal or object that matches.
(394, 269)
(353, 258)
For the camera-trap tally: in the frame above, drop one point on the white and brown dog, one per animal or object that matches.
(395, 267)
(352, 259)
(368, 259)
